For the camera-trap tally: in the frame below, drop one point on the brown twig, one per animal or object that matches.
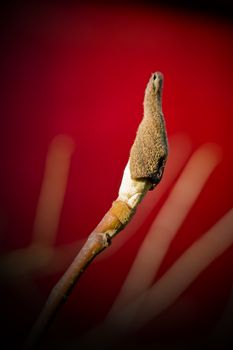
(143, 171)
(112, 223)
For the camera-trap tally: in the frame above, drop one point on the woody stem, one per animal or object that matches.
(112, 223)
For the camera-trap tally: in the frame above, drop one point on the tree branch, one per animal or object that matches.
(142, 173)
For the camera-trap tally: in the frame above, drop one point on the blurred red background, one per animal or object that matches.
(81, 71)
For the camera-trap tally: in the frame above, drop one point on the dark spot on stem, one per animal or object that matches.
(109, 239)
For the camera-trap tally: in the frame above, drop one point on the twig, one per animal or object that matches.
(142, 173)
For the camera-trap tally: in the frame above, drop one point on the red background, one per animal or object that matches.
(82, 71)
